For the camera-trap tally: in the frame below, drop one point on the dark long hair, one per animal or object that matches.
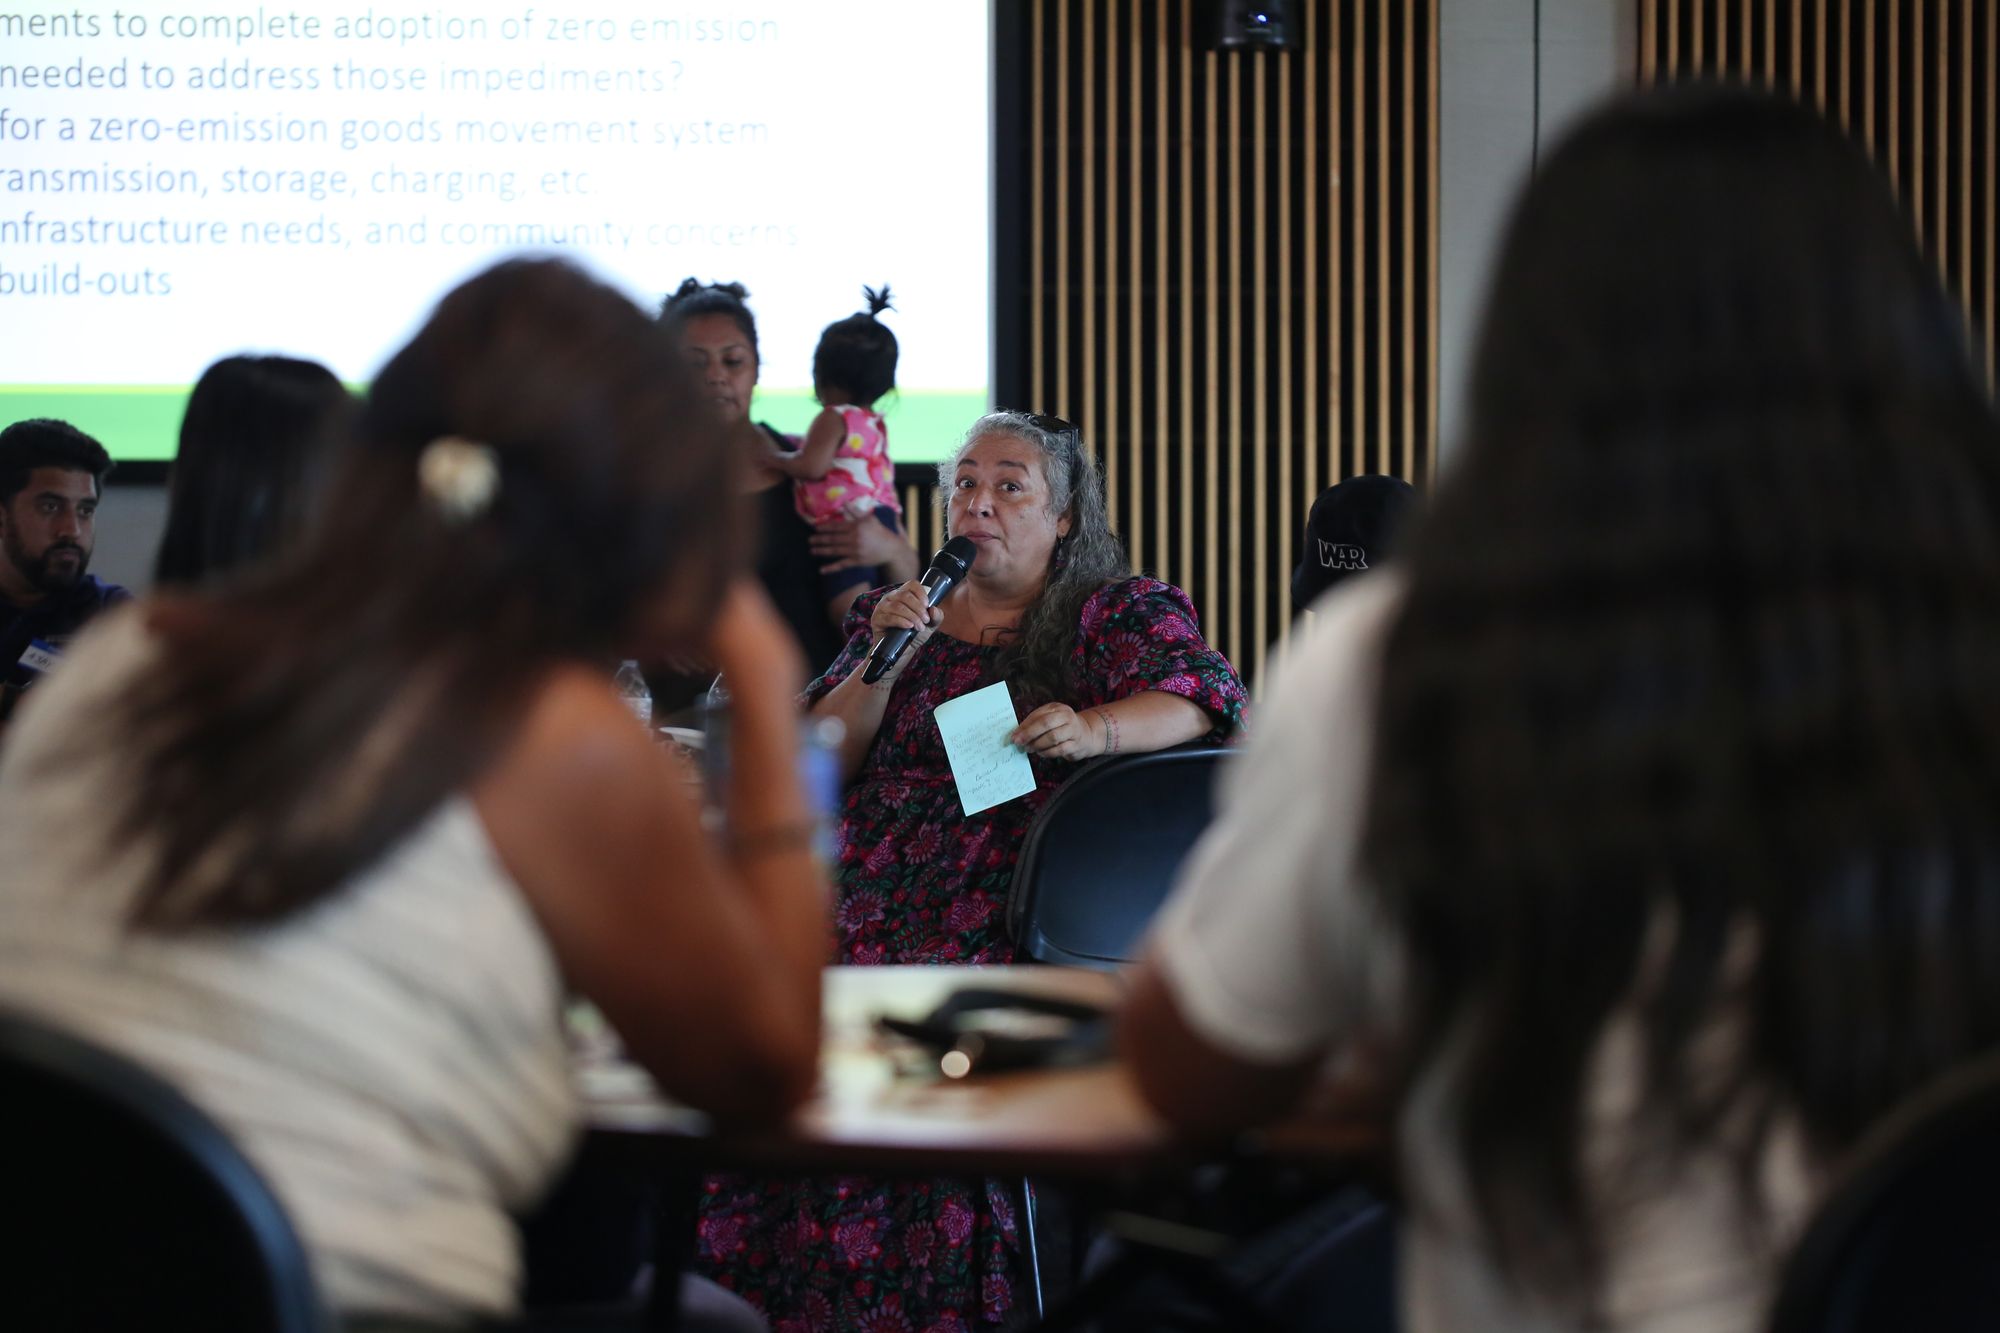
(1699, 647)
(302, 721)
(255, 441)
(1037, 657)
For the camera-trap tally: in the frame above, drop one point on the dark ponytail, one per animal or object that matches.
(857, 355)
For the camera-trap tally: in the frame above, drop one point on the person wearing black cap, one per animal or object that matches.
(1351, 529)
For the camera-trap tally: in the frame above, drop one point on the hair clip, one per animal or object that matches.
(459, 476)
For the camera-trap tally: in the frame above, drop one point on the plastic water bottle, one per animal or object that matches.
(818, 758)
(819, 771)
(632, 687)
(715, 730)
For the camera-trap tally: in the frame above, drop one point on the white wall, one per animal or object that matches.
(1511, 74)
(129, 522)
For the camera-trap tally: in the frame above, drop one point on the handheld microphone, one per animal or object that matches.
(948, 567)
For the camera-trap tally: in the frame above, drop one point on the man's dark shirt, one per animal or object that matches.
(44, 629)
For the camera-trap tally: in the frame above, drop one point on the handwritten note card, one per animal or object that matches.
(987, 768)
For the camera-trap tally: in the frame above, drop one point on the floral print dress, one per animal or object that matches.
(919, 881)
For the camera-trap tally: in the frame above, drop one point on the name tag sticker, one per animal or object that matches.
(40, 657)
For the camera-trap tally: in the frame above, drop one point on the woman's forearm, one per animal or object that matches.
(1153, 720)
(860, 708)
(770, 835)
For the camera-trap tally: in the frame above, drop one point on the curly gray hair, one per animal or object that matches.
(1088, 557)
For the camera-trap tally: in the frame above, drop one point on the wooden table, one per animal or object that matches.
(882, 1107)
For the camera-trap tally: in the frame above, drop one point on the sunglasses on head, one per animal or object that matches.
(1053, 425)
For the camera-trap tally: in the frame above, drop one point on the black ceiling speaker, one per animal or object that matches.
(1250, 25)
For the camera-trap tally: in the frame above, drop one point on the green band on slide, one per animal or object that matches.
(142, 422)
(924, 426)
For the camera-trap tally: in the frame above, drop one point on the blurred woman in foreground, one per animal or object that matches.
(1657, 853)
(326, 846)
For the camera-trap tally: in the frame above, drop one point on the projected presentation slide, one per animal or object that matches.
(181, 182)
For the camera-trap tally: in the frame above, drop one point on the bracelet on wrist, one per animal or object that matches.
(1110, 729)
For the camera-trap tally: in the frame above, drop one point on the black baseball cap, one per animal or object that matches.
(1351, 529)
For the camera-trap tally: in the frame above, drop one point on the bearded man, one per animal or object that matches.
(51, 475)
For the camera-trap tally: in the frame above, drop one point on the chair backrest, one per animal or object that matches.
(1102, 853)
(1908, 1237)
(127, 1207)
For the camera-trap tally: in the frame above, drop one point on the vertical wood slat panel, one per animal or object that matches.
(1941, 137)
(1210, 453)
(1187, 301)
(1135, 434)
(1432, 386)
(1915, 198)
(1037, 172)
(1799, 47)
(1087, 347)
(1161, 303)
(1846, 63)
(1356, 377)
(1059, 351)
(1868, 76)
(1260, 404)
(1285, 438)
(1309, 233)
(1232, 633)
(1263, 335)
(1326, 447)
(1819, 54)
(1891, 134)
(1406, 285)
(1770, 42)
(1965, 124)
(1383, 189)
(1108, 439)
(1924, 108)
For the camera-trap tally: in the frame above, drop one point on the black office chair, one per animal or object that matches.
(126, 1207)
(1909, 1237)
(1098, 862)
(1103, 852)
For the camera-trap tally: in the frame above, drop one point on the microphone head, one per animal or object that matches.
(955, 557)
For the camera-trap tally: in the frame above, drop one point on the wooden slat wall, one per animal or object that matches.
(1233, 264)
(1913, 80)
(1241, 309)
